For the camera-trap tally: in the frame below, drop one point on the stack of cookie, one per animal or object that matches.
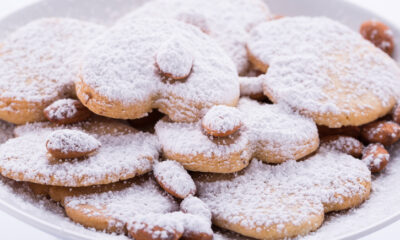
(186, 117)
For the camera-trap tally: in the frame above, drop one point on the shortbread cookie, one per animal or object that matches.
(269, 133)
(124, 153)
(130, 69)
(286, 200)
(38, 65)
(110, 207)
(324, 70)
(227, 21)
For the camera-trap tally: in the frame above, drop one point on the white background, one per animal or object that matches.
(11, 228)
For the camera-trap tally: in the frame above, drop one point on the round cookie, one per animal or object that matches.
(324, 70)
(227, 21)
(121, 75)
(124, 153)
(39, 63)
(110, 207)
(269, 133)
(286, 200)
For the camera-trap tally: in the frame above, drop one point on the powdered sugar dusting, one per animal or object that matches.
(72, 141)
(318, 65)
(39, 61)
(175, 178)
(321, 179)
(195, 206)
(227, 21)
(63, 108)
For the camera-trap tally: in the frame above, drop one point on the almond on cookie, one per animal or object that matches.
(222, 121)
(174, 179)
(384, 132)
(65, 144)
(376, 157)
(66, 111)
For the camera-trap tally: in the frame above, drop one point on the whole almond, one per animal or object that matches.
(68, 144)
(376, 157)
(345, 144)
(384, 132)
(66, 111)
(379, 34)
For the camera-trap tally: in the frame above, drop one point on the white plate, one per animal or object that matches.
(381, 210)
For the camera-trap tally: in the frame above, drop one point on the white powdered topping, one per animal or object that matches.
(321, 66)
(188, 139)
(67, 141)
(140, 198)
(195, 206)
(222, 119)
(227, 21)
(120, 66)
(40, 61)
(61, 109)
(171, 175)
(120, 155)
(251, 85)
(272, 128)
(263, 195)
(174, 58)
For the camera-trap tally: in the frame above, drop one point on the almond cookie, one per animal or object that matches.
(110, 207)
(268, 132)
(283, 201)
(227, 21)
(139, 65)
(30, 82)
(123, 154)
(324, 70)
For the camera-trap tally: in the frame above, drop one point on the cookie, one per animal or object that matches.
(282, 201)
(123, 154)
(137, 66)
(110, 207)
(227, 21)
(324, 70)
(30, 82)
(269, 133)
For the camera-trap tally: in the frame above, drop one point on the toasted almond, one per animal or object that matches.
(222, 121)
(379, 34)
(396, 113)
(66, 144)
(174, 179)
(376, 157)
(384, 132)
(345, 144)
(66, 111)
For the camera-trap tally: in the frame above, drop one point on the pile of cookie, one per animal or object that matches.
(189, 116)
